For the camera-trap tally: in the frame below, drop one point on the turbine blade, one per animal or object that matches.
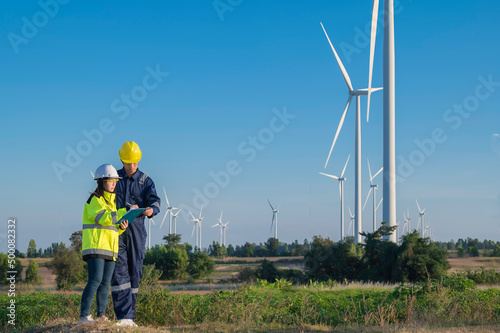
(350, 213)
(214, 225)
(379, 203)
(418, 206)
(372, 53)
(367, 197)
(168, 204)
(272, 223)
(163, 218)
(93, 177)
(270, 204)
(375, 175)
(331, 176)
(192, 215)
(370, 171)
(220, 219)
(192, 233)
(342, 68)
(152, 221)
(345, 166)
(339, 128)
(200, 212)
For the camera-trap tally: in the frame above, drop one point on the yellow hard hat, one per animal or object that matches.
(130, 152)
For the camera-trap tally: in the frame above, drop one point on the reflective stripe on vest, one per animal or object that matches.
(99, 215)
(98, 226)
(100, 251)
(135, 290)
(120, 287)
(156, 204)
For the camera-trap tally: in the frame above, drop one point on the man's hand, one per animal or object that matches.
(124, 224)
(148, 212)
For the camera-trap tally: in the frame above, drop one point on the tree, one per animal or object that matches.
(380, 257)
(460, 251)
(272, 247)
(248, 249)
(172, 240)
(200, 265)
(31, 252)
(171, 262)
(68, 268)
(32, 273)
(6, 265)
(496, 251)
(328, 260)
(421, 259)
(473, 251)
(217, 250)
(76, 241)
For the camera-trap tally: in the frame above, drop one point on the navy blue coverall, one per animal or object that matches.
(136, 190)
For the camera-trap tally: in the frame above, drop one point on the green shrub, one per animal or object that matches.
(32, 273)
(200, 265)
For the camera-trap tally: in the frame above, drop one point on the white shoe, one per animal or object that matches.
(126, 322)
(84, 320)
(102, 318)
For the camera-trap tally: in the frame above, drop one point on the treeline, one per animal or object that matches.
(376, 260)
(471, 247)
(271, 248)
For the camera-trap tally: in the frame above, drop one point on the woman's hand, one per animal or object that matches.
(124, 225)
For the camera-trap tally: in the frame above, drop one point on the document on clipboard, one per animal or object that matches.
(131, 215)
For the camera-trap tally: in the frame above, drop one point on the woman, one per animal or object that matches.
(100, 241)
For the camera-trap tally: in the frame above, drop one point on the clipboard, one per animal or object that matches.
(131, 215)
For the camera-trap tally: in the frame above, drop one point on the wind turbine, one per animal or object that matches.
(149, 233)
(422, 213)
(352, 220)
(169, 212)
(197, 226)
(174, 220)
(406, 226)
(219, 225)
(374, 188)
(341, 180)
(275, 219)
(224, 227)
(356, 93)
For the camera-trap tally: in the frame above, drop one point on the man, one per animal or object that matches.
(134, 190)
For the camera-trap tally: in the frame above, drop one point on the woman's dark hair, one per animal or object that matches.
(99, 191)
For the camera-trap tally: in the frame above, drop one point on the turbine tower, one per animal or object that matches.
(224, 227)
(169, 212)
(341, 180)
(174, 220)
(374, 188)
(353, 218)
(274, 221)
(356, 93)
(421, 218)
(389, 180)
(197, 226)
(220, 225)
(149, 233)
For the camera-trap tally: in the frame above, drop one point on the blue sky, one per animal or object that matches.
(211, 82)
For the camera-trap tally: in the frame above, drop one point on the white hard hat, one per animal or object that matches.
(106, 171)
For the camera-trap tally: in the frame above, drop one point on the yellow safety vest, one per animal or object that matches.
(100, 235)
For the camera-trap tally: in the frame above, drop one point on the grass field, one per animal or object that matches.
(178, 307)
(279, 307)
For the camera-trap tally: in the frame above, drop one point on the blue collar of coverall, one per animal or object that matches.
(135, 176)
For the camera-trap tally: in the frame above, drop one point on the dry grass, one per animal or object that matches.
(473, 263)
